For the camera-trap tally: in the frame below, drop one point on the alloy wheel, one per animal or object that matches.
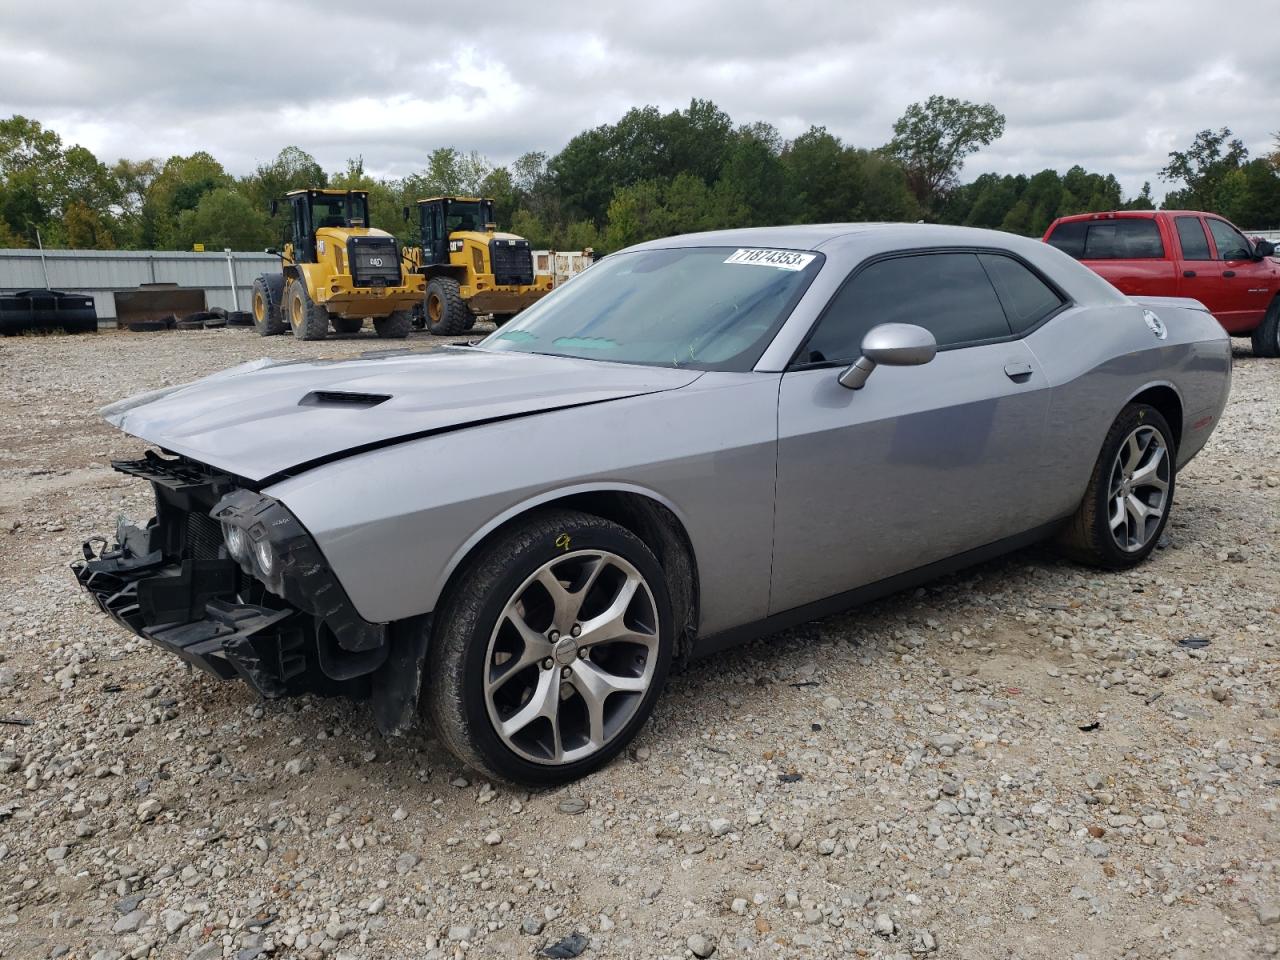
(1138, 490)
(571, 657)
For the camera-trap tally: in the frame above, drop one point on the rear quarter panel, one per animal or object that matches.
(1099, 358)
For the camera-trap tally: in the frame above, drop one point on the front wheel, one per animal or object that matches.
(1130, 493)
(551, 649)
(1266, 338)
(309, 320)
(268, 307)
(447, 313)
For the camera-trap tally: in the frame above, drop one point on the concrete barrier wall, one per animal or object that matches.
(100, 273)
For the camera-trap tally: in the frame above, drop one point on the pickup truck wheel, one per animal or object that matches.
(446, 312)
(1266, 338)
(1130, 493)
(309, 320)
(395, 326)
(268, 297)
(550, 649)
(347, 324)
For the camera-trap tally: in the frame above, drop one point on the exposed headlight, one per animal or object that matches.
(265, 556)
(237, 541)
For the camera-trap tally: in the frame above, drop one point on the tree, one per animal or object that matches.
(1203, 168)
(179, 186)
(292, 169)
(133, 179)
(1142, 201)
(224, 217)
(932, 139)
(83, 228)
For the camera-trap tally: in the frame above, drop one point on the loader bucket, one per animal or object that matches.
(156, 304)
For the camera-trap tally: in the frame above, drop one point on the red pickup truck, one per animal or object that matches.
(1182, 253)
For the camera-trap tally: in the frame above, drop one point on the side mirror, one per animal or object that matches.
(894, 345)
(272, 251)
(406, 214)
(275, 205)
(1263, 248)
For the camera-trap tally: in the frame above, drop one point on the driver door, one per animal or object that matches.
(922, 463)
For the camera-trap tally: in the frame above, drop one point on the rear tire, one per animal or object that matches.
(268, 299)
(447, 313)
(308, 320)
(1136, 470)
(394, 327)
(613, 589)
(1266, 338)
(347, 324)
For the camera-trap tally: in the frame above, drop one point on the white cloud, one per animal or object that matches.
(1111, 86)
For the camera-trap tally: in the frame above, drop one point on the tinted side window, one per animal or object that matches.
(1069, 237)
(947, 293)
(1191, 238)
(1230, 242)
(1127, 239)
(1027, 299)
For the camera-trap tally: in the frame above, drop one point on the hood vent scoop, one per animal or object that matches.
(342, 398)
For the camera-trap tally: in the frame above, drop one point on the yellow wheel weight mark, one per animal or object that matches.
(562, 542)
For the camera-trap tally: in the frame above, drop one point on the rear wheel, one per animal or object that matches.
(447, 313)
(308, 320)
(394, 327)
(1126, 506)
(1266, 338)
(347, 324)
(551, 649)
(268, 297)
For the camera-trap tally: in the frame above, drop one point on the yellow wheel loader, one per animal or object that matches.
(469, 267)
(336, 270)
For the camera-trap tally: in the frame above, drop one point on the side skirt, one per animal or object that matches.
(705, 646)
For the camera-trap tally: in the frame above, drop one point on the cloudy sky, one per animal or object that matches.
(1112, 85)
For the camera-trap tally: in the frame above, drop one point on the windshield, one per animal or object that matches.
(710, 308)
(467, 215)
(338, 211)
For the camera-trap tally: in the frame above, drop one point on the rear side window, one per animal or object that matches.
(1027, 299)
(1069, 237)
(1230, 242)
(1122, 239)
(1191, 238)
(946, 293)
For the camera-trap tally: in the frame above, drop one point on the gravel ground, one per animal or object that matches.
(1018, 761)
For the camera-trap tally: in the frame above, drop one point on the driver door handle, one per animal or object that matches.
(1018, 371)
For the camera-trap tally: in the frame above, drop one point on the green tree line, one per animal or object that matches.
(648, 175)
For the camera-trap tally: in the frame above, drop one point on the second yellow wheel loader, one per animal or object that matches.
(469, 267)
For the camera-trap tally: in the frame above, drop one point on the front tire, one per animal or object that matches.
(551, 649)
(1266, 338)
(309, 320)
(1126, 506)
(447, 313)
(267, 310)
(394, 327)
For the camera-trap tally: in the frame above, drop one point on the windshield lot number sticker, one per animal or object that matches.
(781, 259)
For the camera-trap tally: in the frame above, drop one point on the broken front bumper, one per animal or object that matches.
(183, 607)
(284, 628)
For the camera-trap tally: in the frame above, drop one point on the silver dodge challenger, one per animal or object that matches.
(698, 441)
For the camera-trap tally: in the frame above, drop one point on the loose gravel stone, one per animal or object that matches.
(968, 769)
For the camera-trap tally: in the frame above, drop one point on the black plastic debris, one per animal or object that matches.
(1089, 727)
(1193, 643)
(790, 777)
(570, 946)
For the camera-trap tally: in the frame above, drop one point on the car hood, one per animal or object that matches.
(264, 418)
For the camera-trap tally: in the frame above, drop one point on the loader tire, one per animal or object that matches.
(447, 313)
(268, 301)
(394, 327)
(347, 324)
(308, 320)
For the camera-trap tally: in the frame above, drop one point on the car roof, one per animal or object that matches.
(862, 238)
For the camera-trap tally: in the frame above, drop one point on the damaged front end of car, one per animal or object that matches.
(226, 578)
